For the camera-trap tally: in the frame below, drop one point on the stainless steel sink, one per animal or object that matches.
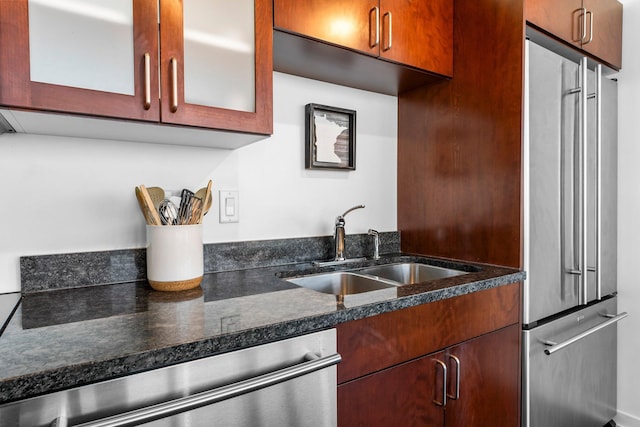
(371, 284)
(341, 283)
(410, 273)
(350, 289)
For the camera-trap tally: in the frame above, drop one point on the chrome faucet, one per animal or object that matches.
(338, 234)
(376, 243)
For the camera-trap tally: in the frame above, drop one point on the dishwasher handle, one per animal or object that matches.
(313, 363)
(555, 346)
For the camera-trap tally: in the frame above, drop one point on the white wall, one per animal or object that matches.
(76, 195)
(629, 213)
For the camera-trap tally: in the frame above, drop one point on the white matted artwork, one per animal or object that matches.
(330, 138)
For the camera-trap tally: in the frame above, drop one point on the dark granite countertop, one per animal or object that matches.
(71, 337)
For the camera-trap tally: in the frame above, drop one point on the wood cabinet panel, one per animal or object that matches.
(398, 396)
(560, 18)
(489, 392)
(592, 25)
(459, 144)
(413, 33)
(349, 24)
(483, 387)
(421, 34)
(605, 30)
(375, 343)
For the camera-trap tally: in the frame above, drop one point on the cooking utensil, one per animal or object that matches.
(196, 211)
(207, 200)
(143, 207)
(184, 211)
(146, 204)
(153, 213)
(157, 195)
(205, 194)
(168, 212)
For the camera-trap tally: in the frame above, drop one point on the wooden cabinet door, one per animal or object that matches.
(89, 61)
(404, 395)
(604, 30)
(418, 33)
(489, 391)
(414, 33)
(593, 25)
(352, 24)
(211, 53)
(563, 18)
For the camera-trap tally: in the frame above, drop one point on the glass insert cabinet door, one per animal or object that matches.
(216, 63)
(80, 56)
(65, 36)
(102, 58)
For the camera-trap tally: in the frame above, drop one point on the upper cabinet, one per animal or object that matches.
(416, 35)
(592, 25)
(204, 64)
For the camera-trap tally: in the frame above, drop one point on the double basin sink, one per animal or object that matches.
(373, 283)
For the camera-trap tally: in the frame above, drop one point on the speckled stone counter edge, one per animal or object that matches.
(74, 270)
(57, 379)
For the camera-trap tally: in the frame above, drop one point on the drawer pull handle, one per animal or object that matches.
(553, 346)
(443, 365)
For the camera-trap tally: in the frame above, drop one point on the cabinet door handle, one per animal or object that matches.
(374, 23)
(443, 365)
(174, 85)
(456, 395)
(582, 17)
(389, 26)
(590, 14)
(147, 81)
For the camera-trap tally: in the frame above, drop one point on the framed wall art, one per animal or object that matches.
(330, 138)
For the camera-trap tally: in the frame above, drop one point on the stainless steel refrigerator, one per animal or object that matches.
(569, 298)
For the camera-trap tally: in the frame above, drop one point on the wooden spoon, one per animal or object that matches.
(153, 215)
(157, 196)
(207, 199)
(143, 206)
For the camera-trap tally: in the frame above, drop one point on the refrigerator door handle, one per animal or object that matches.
(584, 96)
(553, 346)
(598, 195)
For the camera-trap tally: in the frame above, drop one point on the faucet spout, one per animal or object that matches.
(338, 234)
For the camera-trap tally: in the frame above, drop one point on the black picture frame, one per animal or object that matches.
(322, 150)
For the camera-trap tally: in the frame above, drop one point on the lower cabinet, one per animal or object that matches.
(489, 391)
(473, 382)
(404, 395)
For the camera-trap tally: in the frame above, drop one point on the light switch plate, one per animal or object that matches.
(228, 203)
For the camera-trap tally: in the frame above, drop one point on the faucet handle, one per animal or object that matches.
(376, 242)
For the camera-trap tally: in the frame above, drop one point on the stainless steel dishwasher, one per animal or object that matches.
(285, 383)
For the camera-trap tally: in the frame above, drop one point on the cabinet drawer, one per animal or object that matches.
(371, 344)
